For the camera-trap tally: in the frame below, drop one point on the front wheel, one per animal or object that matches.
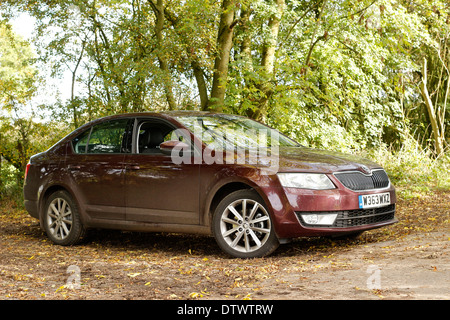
(61, 219)
(243, 227)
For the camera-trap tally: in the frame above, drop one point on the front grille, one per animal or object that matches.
(358, 181)
(354, 218)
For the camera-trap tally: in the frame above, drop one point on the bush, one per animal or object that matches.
(10, 186)
(412, 169)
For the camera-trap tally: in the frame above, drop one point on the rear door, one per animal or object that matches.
(97, 169)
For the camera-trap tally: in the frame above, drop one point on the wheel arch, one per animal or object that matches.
(48, 192)
(220, 191)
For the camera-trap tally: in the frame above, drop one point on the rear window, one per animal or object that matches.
(107, 137)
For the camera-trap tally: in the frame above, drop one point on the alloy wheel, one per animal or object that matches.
(59, 218)
(245, 225)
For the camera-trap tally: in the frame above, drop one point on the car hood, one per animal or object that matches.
(296, 159)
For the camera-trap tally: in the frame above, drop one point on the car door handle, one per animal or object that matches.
(73, 168)
(134, 167)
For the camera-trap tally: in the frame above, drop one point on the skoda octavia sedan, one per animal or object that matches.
(247, 185)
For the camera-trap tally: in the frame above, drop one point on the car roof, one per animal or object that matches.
(168, 115)
(162, 114)
(173, 113)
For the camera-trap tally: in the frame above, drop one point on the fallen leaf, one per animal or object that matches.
(133, 275)
(195, 295)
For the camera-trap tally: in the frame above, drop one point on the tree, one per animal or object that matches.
(331, 73)
(158, 8)
(436, 118)
(268, 61)
(224, 45)
(17, 73)
(17, 86)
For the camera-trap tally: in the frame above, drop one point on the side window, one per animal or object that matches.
(151, 134)
(174, 135)
(80, 142)
(108, 137)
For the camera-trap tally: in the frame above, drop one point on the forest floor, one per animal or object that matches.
(409, 260)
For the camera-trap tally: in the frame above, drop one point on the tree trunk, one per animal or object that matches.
(268, 63)
(158, 9)
(201, 84)
(72, 90)
(437, 135)
(246, 46)
(224, 44)
(313, 40)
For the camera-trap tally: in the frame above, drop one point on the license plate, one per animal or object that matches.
(374, 200)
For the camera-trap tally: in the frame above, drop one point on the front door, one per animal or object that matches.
(157, 189)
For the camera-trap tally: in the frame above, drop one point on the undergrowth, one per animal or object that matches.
(413, 170)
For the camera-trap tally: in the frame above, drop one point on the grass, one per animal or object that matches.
(413, 170)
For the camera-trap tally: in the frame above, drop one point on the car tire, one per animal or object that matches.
(61, 219)
(242, 226)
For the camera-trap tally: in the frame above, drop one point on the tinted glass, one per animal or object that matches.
(151, 134)
(228, 131)
(108, 137)
(80, 142)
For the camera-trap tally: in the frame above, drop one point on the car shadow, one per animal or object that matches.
(182, 244)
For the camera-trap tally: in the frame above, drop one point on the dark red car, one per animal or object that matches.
(193, 172)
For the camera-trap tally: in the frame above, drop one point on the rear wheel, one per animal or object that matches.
(61, 219)
(243, 227)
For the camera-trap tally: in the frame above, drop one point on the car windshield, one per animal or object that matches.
(229, 131)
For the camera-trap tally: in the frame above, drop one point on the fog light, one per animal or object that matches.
(319, 219)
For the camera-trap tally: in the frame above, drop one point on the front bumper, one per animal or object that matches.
(342, 202)
(352, 218)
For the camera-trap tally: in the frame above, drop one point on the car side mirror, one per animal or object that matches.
(168, 146)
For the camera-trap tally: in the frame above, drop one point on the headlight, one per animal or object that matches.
(316, 181)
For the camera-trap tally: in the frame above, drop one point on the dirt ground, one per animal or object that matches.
(409, 260)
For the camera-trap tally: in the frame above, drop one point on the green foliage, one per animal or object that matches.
(9, 187)
(333, 74)
(412, 169)
(17, 74)
(20, 138)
